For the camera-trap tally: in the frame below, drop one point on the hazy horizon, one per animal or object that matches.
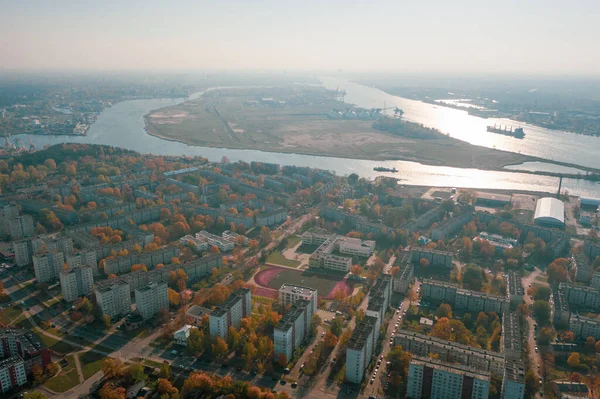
(508, 37)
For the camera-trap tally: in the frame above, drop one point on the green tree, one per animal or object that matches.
(337, 326)
(444, 310)
(136, 372)
(195, 342)
(542, 293)
(541, 311)
(165, 371)
(35, 395)
(315, 322)
(472, 277)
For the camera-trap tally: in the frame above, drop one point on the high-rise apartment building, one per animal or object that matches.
(230, 312)
(151, 298)
(76, 282)
(114, 297)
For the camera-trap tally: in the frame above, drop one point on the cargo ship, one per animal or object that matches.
(517, 133)
(382, 169)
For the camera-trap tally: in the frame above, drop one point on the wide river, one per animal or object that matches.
(123, 125)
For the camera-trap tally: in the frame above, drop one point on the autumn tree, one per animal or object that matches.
(574, 360)
(219, 348)
(173, 296)
(139, 266)
(110, 391)
(166, 389)
(112, 368)
(444, 310)
(195, 342)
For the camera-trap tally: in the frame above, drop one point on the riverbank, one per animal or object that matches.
(374, 146)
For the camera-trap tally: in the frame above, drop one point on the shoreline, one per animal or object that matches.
(150, 130)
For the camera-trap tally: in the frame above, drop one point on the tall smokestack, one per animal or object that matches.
(559, 186)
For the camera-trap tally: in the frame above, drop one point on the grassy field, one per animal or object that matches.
(66, 379)
(278, 259)
(322, 283)
(56, 345)
(9, 314)
(292, 241)
(233, 119)
(91, 363)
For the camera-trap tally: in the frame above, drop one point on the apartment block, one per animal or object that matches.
(560, 306)
(582, 296)
(85, 257)
(12, 373)
(584, 327)
(150, 299)
(379, 298)
(23, 251)
(114, 297)
(20, 226)
(595, 283)
(511, 336)
(63, 244)
(403, 279)
(290, 294)
(513, 381)
(76, 282)
(452, 225)
(434, 257)
(25, 345)
(435, 379)
(453, 352)
(47, 266)
(293, 328)
(514, 288)
(230, 313)
(122, 264)
(583, 268)
(473, 301)
(360, 349)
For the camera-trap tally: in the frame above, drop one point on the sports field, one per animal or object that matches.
(271, 279)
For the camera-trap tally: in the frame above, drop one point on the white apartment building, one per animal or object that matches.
(292, 329)
(12, 373)
(114, 297)
(230, 313)
(199, 245)
(76, 282)
(64, 244)
(47, 266)
(151, 298)
(181, 336)
(513, 382)
(360, 349)
(23, 252)
(86, 257)
(290, 294)
(430, 378)
(584, 327)
(221, 243)
(21, 226)
(357, 247)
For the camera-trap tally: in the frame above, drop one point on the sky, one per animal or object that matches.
(438, 36)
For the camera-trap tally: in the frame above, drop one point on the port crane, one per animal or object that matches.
(397, 111)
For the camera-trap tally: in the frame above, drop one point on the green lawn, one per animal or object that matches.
(293, 241)
(66, 379)
(91, 363)
(56, 345)
(277, 258)
(9, 314)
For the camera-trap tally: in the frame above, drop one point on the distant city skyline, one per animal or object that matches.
(551, 37)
